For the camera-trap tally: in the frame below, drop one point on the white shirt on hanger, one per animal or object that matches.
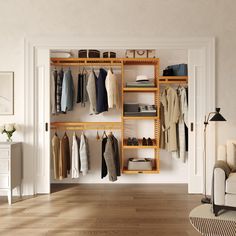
(75, 158)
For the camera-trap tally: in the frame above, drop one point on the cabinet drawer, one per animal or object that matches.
(4, 153)
(4, 166)
(4, 181)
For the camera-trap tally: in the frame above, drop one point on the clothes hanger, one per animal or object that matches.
(84, 70)
(111, 69)
(97, 136)
(104, 135)
(110, 133)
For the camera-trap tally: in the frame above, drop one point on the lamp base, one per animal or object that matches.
(206, 200)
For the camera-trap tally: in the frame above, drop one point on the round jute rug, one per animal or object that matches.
(205, 222)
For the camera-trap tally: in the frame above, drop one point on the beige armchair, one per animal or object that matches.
(224, 178)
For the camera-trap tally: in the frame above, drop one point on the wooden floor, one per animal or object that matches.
(102, 210)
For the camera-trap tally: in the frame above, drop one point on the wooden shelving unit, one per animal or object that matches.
(119, 62)
(155, 119)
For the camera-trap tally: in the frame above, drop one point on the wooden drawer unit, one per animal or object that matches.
(10, 168)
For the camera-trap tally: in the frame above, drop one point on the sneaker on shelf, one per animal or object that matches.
(149, 142)
(135, 142)
(144, 142)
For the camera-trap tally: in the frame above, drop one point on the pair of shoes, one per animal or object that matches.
(147, 142)
(129, 142)
(132, 142)
(135, 142)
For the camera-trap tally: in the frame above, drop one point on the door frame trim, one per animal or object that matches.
(31, 44)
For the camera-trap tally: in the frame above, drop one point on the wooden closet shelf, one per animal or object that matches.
(172, 79)
(140, 117)
(103, 61)
(86, 125)
(153, 171)
(86, 60)
(140, 61)
(140, 146)
(154, 89)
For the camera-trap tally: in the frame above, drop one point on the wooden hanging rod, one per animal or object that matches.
(86, 125)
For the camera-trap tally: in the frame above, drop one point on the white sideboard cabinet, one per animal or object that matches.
(10, 167)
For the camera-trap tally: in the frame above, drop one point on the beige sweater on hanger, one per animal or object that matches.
(112, 90)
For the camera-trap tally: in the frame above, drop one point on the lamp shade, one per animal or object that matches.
(217, 116)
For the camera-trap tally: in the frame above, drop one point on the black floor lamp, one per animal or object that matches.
(216, 117)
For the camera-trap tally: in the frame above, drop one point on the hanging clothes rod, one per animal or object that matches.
(86, 125)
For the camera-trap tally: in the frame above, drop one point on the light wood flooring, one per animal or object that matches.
(102, 210)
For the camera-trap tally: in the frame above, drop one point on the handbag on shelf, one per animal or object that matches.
(140, 53)
(178, 70)
(168, 72)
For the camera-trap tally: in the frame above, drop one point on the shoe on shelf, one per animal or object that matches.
(149, 142)
(129, 142)
(134, 142)
(144, 142)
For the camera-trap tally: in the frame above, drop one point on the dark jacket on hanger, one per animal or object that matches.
(102, 103)
(79, 88)
(116, 154)
(109, 156)
(60, 76)
(64, 160)
(54, 92)
(82, 96)
(104, 166)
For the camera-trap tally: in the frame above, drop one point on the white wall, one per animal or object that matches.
(123, 18)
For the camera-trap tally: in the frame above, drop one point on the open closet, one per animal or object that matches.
(80, 113)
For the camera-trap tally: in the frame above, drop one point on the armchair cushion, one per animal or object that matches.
(231, 183)
(224, 166)
(231, 153)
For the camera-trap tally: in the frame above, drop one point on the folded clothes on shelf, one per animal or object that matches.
(135, 109)
(141, 83)
(60, 53)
